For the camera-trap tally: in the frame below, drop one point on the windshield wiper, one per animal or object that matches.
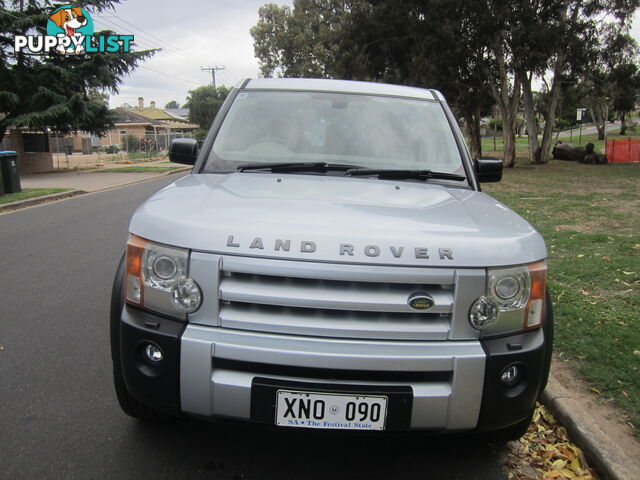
(296, 167)
(403, 174)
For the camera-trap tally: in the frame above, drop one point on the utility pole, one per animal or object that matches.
(213, 71)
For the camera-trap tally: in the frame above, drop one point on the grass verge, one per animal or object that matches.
(522, 142)
(28, 193)
(589, 216)
(139, 169)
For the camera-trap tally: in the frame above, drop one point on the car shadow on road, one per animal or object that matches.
(192, 449)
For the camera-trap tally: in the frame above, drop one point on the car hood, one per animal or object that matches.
(337, 219)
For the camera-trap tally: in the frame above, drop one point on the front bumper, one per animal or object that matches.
(219, 373)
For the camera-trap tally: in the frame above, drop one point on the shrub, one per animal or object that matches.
(130, 143)
(110, 149)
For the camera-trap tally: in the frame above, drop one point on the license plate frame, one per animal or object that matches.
(263, 399)
(330, 411)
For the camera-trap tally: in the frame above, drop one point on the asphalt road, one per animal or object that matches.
(59, 417)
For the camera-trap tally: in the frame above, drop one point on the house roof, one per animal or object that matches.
(154, 114)
(180, 113)
(130, 116)
(178, 125)
(141, 117)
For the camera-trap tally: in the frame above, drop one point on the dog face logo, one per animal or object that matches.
(70, 21)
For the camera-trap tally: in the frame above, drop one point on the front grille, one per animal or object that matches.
(372, 376)
(321, 300)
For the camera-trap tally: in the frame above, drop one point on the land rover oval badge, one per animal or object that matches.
(420, 301)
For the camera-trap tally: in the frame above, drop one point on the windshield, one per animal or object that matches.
(360, 130)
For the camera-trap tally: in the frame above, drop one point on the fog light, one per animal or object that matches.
(483, 313)
(186, 295)
(153, 353)
(511, 375)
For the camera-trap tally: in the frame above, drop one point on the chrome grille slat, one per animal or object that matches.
(213, 271)
(334, 323)
(338, 271)
(335, 295)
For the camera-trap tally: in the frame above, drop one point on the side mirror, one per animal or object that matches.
(489, 169)
(183, 150)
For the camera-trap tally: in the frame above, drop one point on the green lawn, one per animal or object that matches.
(589, 216)
(522, 143)
(139, 169)
(30, 193)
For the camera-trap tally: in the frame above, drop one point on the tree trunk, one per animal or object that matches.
(623, 124)
(509, 138)
(530, 118)
(597, 113)
(508, 100)
(550, 114)
(472, 121)
(509, 123)
(554, 92)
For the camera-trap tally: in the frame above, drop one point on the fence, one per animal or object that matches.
(623, 150)
(149, 141)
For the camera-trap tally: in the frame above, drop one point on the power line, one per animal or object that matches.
(213, 71)
(113, 24)
(168, 74)
(164, 52)
(159, 40)
(166, 47)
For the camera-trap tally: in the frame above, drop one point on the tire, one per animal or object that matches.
(513, 432)
(129, 404)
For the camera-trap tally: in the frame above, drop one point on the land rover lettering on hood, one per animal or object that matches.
(332, 263)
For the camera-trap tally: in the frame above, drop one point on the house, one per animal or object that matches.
(131, 126)
(157, 127)
(148, 123)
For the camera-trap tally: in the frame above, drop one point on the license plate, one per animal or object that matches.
(330, 411)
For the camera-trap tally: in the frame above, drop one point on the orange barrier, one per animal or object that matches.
(623, 150)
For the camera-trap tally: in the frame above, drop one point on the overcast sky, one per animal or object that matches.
(192, 34)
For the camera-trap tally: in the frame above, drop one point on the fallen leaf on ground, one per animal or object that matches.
(545, 452)
(595, 390)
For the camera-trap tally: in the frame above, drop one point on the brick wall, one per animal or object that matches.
(29, 162)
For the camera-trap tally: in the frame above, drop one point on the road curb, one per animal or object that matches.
(29, 202)
(602, 451)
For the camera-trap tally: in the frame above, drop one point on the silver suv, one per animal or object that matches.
(331, 263)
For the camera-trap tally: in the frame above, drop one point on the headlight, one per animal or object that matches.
(518, 294)
(157, 278)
